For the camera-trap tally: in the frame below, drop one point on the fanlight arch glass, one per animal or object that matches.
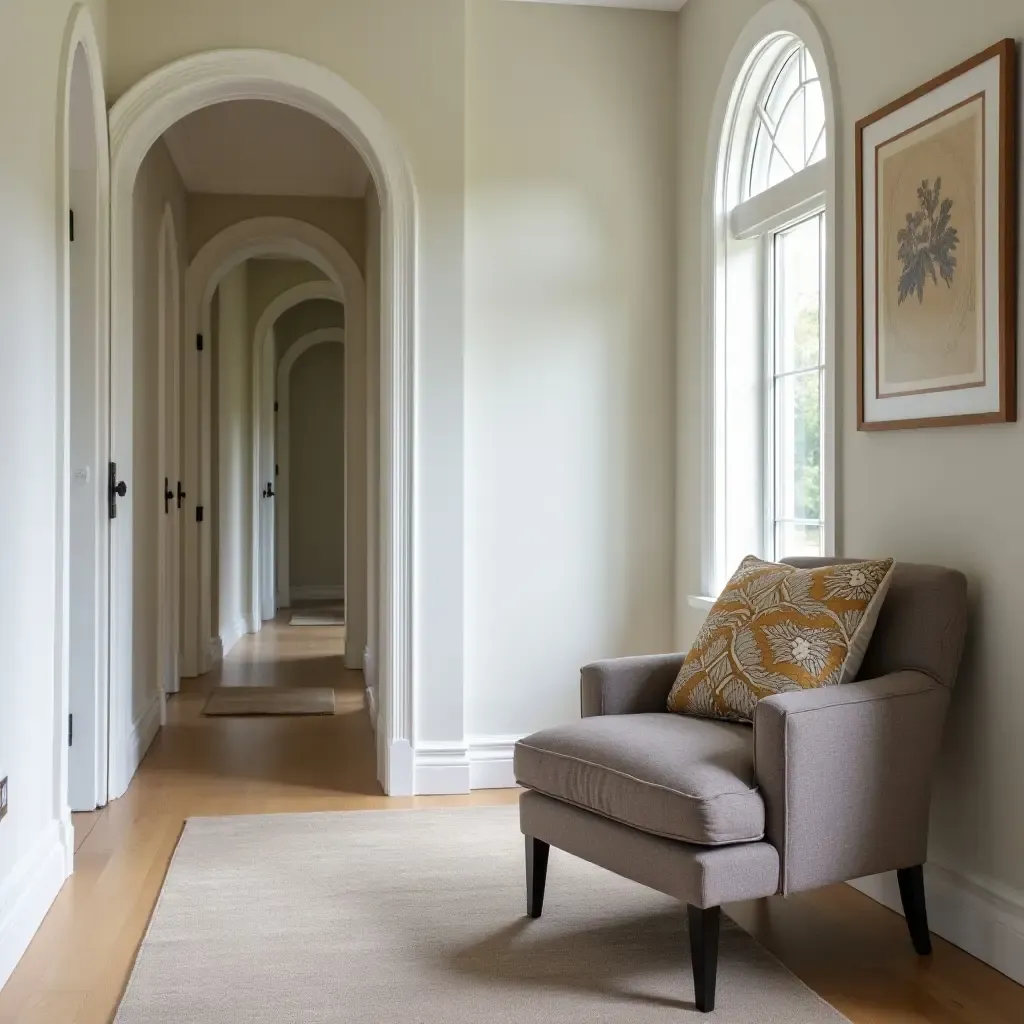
(787, 127)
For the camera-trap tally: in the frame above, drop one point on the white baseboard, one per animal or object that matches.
(232, 634)
(28, 891)
(318, 592)
(397, 767)
(482, 762)
(144, 730)
(490, 762)
(980, 915)
(214, 651)
(371, 704)
(441, 768)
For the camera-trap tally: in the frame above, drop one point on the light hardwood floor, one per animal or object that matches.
(855, 953)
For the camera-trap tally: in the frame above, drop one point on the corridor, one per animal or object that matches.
(198, 766)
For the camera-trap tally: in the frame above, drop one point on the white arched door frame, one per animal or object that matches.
(258, 236)
(168, 468)
(269, 596)
(137, 120)
(91, 750)
(321, 336)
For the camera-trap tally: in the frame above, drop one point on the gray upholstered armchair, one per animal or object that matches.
(830, 784)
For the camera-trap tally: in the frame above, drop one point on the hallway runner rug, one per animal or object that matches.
(419, 916)
(270, 700)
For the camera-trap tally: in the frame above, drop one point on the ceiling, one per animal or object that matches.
(636, 5)
(255, 147)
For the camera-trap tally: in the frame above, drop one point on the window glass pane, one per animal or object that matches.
(798, 296)
(798, 446)
(790, 136)
(815, 127)
(795, 540)
(759, 161)
(786, 83)
(810, 69)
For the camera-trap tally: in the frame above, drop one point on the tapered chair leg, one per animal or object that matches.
(911, 881)
(704, 954)
(536, 875)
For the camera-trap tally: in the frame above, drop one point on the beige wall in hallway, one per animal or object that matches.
(570, 351)
(941, 495)
(307, 316)
(316, 504)
(158, 184)
(271, 278)
(344, 219)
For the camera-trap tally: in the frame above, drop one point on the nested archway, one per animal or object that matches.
(321, 336)
(257, 236)
(137, 120)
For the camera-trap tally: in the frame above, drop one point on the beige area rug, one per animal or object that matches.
(418, 916)
(270, 700)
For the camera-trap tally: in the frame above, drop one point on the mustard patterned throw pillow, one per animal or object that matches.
(778, 628)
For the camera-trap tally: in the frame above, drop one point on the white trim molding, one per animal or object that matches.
(482, 762)
(233, 632)
(28, 891)
(980, 915)
(137, 120)
(80, 41)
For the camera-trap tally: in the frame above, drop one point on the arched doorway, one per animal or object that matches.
(137, 120)
(80, 734)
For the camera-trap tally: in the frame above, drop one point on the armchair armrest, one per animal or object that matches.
(628, 686)
(846, 772)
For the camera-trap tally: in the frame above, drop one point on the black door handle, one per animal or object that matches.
(269, 491)
(181, 495)
(168, 496)
(115, 489)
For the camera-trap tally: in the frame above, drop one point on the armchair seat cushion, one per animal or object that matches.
(690, 779)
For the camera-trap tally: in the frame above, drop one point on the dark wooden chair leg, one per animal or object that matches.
(704, 954)
(911, 881)
(536, 875)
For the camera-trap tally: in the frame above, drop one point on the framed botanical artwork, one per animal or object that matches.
(937, 251)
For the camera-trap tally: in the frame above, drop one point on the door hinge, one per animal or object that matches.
(71, 224)
(71, 729)
(275, 407)
(199, 343)
(115, 489)
(199, 513)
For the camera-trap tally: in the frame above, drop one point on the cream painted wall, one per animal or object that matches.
(345, 219)
(944, 495)
(307, 316)
(408, 58)
(269, 279)
(317, 468)
(157, 185)
(32, 862)
(569, 351)
(234, 458)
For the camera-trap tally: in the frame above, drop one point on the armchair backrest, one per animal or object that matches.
(922, 624)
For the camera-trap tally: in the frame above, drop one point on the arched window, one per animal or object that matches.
(771, 279)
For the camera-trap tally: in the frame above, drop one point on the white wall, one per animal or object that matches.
(570, 204)
(33, 860)
(316, 502)
(157, 185)
(234, 458)
(945, 495)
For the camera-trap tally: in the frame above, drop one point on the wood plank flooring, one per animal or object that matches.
(852, 951)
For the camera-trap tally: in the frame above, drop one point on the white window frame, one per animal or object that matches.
(725, 220)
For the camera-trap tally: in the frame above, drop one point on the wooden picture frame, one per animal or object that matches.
(937, 255)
